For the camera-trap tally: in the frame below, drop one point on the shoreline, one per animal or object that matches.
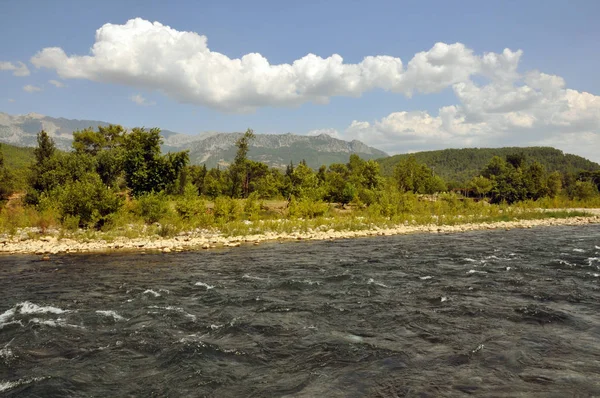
(50, 245)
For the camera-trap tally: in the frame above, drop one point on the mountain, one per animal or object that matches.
(277, 150)
(210, 148)
(461, 165)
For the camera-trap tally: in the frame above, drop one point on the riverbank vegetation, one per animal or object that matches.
(118, 183)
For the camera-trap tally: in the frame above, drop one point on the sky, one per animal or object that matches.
(402, 76)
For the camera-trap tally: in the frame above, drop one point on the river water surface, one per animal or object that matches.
(488, 313)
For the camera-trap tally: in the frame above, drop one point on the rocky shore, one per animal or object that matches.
(51, 244)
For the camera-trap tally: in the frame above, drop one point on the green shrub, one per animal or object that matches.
(190, 205)
(225, 209)
(87, 198)
(152, 207)
(306, 208)
(252, 207)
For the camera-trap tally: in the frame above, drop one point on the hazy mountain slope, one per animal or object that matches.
(211, 148)
(460, 165)
(279, 149)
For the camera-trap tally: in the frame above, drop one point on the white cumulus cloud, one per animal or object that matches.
(31, 89)
(140, 100)
(18, 69)
(181, 65)
(56, 83)
(534, 109)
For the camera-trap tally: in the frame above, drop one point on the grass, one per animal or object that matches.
(273, 218)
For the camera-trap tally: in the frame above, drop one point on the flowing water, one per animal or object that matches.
(493, 313)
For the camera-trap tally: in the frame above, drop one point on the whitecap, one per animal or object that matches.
(6, 316)
(8, 385)
(112, 314)
(591, 260)
(215, 327)
(150, 291)
(471, 260)
(508, 268)
(6, 352)
(207, 286)
(424, 278)
(442, 299)
(579, 250)
(472, 271)
(59, 322)
(597, 247)
(27, 307)
(373, 282)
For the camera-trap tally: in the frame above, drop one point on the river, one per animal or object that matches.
(486, 313)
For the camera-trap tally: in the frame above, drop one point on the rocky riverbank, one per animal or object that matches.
(54, 244)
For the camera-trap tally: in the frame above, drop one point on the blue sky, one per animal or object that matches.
(453, 97)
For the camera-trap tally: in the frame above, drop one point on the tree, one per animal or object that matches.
(554, 184)
(6, 179)
(481, 186)
(239, 170)
(106, 147)
(535, 181)
(411, 176)
(145, 169)
(41, 176)
(45, 148)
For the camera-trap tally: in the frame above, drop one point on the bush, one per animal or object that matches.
(88, 199)
(190, 205)
(306, 208)
(252, 207)
(152, 207)
(585, 190)
(226, 209)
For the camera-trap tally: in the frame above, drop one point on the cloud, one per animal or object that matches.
(496, 104)
(138, 99)
(18, 70)
(181, 65)
(31, 89)
(56, 83)
(535, 109)
(330, 132)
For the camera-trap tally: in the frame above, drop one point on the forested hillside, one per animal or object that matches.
(16, 157)
(458, 166)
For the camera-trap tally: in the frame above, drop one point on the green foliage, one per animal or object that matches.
(481, 185)
(6, 179)
(252, 206)
(190, 206)
(225, 209)
(88, 200)
(152, 207)
(239, 171)
(304, 183)
(306, 208)
(459, 166)
(146, 170)
(412, 176)
(585, 190)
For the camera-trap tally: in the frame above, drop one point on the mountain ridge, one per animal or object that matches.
(210, 148)
(461, 165)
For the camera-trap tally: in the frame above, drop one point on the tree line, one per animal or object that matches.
(110, 166)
